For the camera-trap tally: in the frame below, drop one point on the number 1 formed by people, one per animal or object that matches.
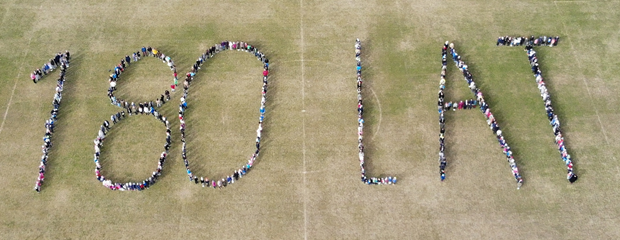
(60, 61)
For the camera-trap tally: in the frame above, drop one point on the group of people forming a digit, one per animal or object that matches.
(143, 107)
(226, 45)
(360, 123)
(62, 61)
(448, 48)
(129, 186)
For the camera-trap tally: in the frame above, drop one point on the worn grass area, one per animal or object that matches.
(306, 184)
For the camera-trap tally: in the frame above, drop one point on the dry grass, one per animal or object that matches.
(309, 187)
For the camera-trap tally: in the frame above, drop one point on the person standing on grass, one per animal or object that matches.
(447, 106)
(129, 108)
(146, 108)
(33, 77)
(57, 59)
(176, 79)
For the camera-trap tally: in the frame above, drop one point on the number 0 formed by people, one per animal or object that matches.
(208, 54)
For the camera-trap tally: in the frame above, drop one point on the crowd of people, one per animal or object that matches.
(466, 104)
(239, 173)
(448, 48)
(131, 108)
(360, 124)
(529, 44)
(553, 118)
(129, 186)
(527, 41)
(62, 61)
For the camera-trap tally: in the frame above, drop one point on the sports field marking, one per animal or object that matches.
(303, 117)
(380, 113)
(570, 42)
(556, 2)
(21, 68)
(6, 112)
(301, 60)
(600, 123)
(6, 13)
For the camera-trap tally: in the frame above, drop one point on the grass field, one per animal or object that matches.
(306, 184)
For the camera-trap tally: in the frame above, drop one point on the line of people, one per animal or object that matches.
(120, 68)
(129, 186)
(60, 60)
(360, 124)
(528, 41)
(553, 118)
(484, 108)
(63, 62)
(239, 173)
(466, 104)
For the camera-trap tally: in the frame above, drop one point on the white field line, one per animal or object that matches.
(300, 60)
(21, 68)
(380, 113)
(303, 118)
(6, 112)
(572, 47)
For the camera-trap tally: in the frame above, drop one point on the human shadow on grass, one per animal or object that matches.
(369, 106)
(194, 153)
(69, 96)
(557, 110)
(124, 93)
(498, 115)
(119, 130)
